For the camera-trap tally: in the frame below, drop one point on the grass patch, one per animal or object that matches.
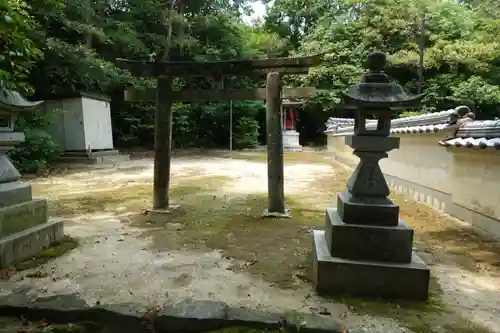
(55, 249)
(132, 197)
(235, 225)
(278, 250)
(13, 325)
(447, 240)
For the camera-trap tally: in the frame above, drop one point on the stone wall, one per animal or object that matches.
(462, 182)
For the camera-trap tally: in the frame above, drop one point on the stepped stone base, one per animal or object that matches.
(27, 243)
(98, 157)
(362, 211)
(333, 275)
(16, 218)
(15, 192)
(368, 242)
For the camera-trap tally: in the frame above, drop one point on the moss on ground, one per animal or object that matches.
(56, 249)
(209, 218)
(22, 325)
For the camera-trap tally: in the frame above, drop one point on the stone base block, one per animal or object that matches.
(15, 192)
(97, 158)
(27, 243)
(366, 242)
(334, 276)
(291, 140)
(368, 211)
(16, 218)
(172, 207)
(286, 214)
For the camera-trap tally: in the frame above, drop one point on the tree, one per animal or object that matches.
(461, 59)
(18, 51)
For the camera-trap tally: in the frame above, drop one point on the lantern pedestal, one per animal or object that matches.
(24, 225)
(365, 248)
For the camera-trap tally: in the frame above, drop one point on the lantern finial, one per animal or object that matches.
(376, 61)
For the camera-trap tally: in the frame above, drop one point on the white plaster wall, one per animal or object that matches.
(421, 160)
(97, 124)
(469, 178)
(476, 181)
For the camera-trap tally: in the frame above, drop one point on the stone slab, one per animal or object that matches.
(286, 215)
(102, 158)
(245, 317)
(172, 207)
(311, 323)
(365, 242)
(16, 218)
(367, 211)
(186, 315)
(334, 276)
(95, 153)
(15, 192)
(190, 315)
(27, 243)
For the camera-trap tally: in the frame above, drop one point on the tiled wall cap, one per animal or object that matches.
(426, 123)
(478, 143)
(480, 129)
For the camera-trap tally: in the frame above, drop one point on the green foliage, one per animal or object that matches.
(406, 114)
(59, 47)
(462, 52)
(196, 125)
(38, 150)
(17, 49)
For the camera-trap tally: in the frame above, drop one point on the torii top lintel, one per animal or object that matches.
(297, 65)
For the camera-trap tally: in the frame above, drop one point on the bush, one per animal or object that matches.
(194, 124)
(38, 150)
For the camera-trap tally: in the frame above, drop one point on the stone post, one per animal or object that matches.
(163, 145)
(365, 248)
(275, 163)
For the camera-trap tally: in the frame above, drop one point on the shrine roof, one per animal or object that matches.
(288, 102)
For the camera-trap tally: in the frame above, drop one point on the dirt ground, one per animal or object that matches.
(216, 246)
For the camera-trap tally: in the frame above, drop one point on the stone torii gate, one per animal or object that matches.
(272, 68)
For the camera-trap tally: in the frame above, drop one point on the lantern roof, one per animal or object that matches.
(13, 101)
(376, 90)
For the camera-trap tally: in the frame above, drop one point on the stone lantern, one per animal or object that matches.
(24, 226)
(365, 248)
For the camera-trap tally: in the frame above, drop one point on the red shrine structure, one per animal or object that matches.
(289, 113)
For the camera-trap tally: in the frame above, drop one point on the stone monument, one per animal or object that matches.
(366, 249)
(24, 229)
